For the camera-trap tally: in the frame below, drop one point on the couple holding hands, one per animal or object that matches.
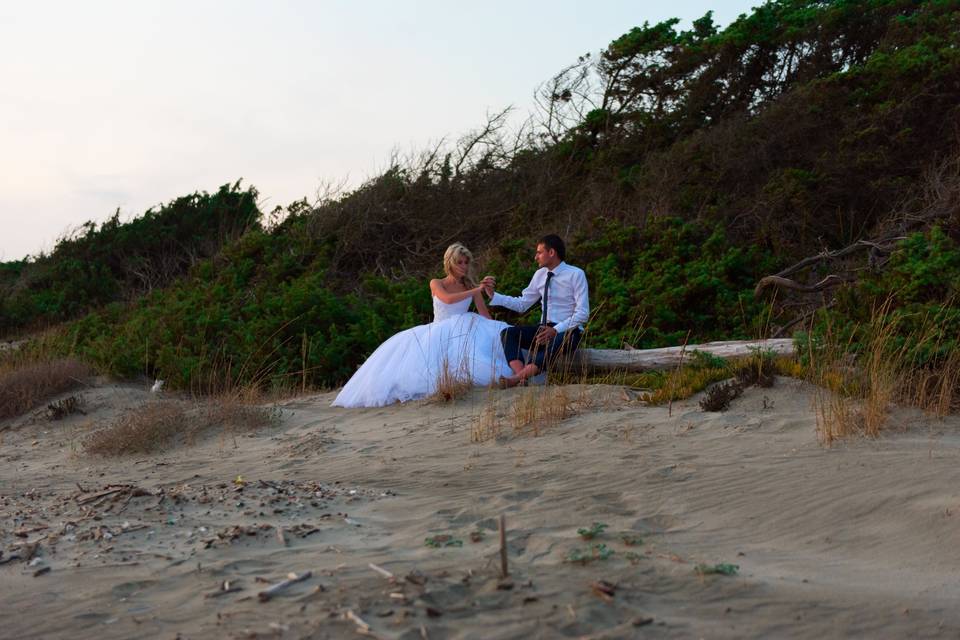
(473, 346)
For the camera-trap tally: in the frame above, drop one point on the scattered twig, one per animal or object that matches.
(225, 587)
(604, 590)
(292, 579)
(504, 570)
(357, 620)
(101, 494)
(386, 574)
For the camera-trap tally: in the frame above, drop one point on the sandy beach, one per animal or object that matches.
(857, 540)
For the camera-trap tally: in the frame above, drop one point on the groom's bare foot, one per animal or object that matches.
(507, 382)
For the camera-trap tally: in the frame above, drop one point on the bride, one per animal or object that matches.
(457, 345)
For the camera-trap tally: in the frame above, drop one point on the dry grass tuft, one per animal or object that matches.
(25, 385)
(938, 391)
(162, 424)
(451, 384)
(532, 410)
(856, 390)
(539, 408)
(487, 425)
(144, 429)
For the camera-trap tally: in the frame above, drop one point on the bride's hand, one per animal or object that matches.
(489, 285)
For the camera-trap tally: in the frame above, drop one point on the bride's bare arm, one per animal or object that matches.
(481, 305)
(436, 288)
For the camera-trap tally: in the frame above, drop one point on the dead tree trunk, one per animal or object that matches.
(639, 360)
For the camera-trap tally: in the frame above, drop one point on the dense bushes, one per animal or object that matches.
(99, 264)
(681, 166)
(245, 317)
(916, 297)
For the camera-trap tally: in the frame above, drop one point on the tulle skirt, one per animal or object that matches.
(412, 363)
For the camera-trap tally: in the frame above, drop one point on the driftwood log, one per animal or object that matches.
(638, 360)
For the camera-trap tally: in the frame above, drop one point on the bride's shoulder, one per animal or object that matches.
(437, 283)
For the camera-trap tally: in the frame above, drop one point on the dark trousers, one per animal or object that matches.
(516, 338)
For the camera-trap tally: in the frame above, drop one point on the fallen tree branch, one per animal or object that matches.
(638, 360)
(786, 283)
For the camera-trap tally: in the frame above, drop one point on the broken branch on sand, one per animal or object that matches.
(357, 620)
(292, 579)
(225, 587)
(504, 571)
(101, 494)
(386, 574)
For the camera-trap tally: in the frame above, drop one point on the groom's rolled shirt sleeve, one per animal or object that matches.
(527, 298)
(581, 308)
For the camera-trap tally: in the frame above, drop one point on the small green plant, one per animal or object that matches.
(594, 552)
(595, 530)
(633, 557)
(721, 568)
(443, 540)
(631, 540)
(720, 394)
(703, 360)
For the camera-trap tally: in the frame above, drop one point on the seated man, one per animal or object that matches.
(562, 290)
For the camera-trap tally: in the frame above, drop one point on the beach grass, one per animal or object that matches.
(27, 382)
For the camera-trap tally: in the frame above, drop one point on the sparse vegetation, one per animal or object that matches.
(161, 424)
(591, 532)
(442, 540)
(538, 408)
(719, 395)
(590, 554)
(452, 383)
(721, 568)
(27, 384)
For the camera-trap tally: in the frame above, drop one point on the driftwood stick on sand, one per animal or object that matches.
(292, 579)
(386, 574)
(504, 571)
(101, 494)
(357, 620)
(669, 357)
(225, 587)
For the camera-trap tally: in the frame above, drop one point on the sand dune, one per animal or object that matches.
(854, 541)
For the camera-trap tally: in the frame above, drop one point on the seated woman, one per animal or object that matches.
(458, 344)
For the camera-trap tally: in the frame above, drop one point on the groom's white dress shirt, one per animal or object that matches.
(569, 300)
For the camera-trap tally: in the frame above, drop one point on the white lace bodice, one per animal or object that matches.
(442, 310)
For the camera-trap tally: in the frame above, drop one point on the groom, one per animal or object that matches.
(562, 291)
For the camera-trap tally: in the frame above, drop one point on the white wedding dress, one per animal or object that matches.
(458, 344)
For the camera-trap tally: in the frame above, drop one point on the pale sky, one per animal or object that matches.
(125, 104)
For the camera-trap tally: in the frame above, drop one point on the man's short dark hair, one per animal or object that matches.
(554, 242)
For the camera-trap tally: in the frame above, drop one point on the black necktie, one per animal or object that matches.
(546, 296)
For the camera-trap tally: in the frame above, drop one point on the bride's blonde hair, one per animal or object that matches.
(450, 257)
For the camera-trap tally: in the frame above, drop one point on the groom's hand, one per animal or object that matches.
(545, 334)
(489, 284)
